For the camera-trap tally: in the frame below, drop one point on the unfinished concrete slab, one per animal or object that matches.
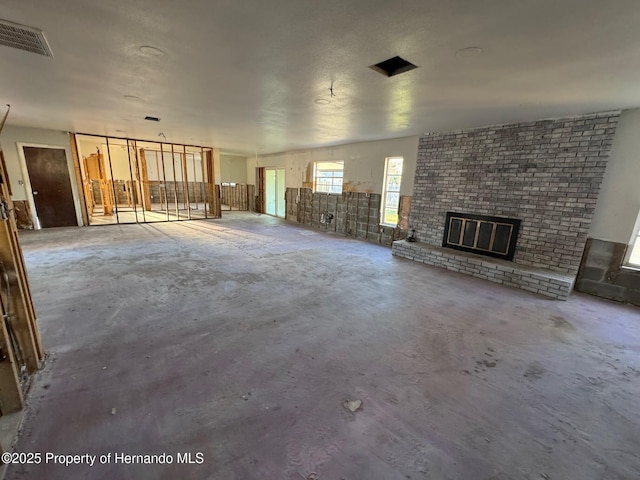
(245, 339)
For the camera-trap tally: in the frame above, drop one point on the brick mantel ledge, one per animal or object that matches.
(544, 282)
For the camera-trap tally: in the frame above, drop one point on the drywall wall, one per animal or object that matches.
(13, 138)
(616, 214)
(233, 169)
(10, 138)
(363, 164)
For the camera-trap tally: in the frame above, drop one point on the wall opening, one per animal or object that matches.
(135, 181)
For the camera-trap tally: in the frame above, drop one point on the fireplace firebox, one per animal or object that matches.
(481, 234)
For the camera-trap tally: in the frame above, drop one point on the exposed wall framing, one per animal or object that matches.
(20, 344)
(125, 180)
(353, 214)
(237, 196)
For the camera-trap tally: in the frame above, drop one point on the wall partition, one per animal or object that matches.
(135, 181)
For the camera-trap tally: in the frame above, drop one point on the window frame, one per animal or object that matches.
(633, 244)
(332, 185)
(385, 191)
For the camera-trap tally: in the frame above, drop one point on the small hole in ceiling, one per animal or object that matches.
(393, 66)
(152, 119)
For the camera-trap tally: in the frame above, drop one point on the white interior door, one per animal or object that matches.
(280, 187)
(274, 186)
(270, 191)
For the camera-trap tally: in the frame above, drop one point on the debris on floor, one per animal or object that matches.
(353, 405)
(113, 411)
(489, 364)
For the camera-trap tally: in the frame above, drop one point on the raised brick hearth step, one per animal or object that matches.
(544, 282)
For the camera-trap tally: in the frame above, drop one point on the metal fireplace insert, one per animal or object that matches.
(481, 234)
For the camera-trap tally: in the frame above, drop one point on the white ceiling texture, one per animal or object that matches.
(255, 76)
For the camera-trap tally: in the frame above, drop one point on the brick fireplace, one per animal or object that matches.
(545, 174)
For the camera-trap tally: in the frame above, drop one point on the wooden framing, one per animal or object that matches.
(138, 189)
(195, 183)
(185, 182)
(213, 190)
(94, 170)
(164, 183)
(144, 180)
(11, 399)
(261, 193)
(20, 339)
(78, 173)
(175, 182)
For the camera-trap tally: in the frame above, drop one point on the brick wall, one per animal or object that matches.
(546, 173)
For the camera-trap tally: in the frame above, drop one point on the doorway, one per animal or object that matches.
(48, 173)
(274, 188)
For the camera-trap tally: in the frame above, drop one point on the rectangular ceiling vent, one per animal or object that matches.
(25, 38)
(393, 66)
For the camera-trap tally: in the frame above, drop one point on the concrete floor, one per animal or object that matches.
(242, 338)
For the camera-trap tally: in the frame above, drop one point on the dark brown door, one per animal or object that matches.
(261, 190)
(51, 186)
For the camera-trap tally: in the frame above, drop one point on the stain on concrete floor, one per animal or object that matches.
(243, 341)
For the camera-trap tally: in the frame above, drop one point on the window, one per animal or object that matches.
(634, 257)
(327, 177)
(391, 191)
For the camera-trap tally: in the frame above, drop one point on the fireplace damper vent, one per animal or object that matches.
(481, 234)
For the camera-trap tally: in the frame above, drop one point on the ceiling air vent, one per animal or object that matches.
(25, 38)
(393, 66)
(152, 119)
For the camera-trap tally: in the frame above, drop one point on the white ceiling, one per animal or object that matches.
(244, 75)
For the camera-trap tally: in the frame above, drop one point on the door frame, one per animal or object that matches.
(277, 200)
(29, 189)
